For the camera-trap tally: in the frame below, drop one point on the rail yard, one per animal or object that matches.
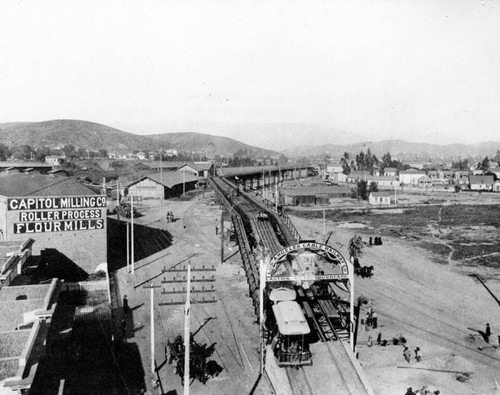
(226, 318)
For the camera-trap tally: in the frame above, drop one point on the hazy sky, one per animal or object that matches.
(388, 68)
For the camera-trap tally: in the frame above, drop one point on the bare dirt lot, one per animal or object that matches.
(425, 296)
(417, 292)
(228, 324)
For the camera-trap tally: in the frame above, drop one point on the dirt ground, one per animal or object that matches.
(229, 324)
(432, 305)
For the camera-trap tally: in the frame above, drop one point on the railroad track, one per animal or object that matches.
(298, 381)
(274, 234)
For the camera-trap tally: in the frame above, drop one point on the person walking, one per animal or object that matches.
(369, 343)
(379, 338)
(407, 354)
(374, 320)
(488, 333)
(418, 354)
(125, 304)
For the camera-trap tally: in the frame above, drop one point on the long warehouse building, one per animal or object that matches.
(58, 213)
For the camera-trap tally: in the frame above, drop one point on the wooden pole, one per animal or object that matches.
(128, 245)
(324, 223)
(117, 199)
(161, 177)
(152, 330)
(222, 238)
(187, 335)
(132, 232)
(351, 311)
(262, 285)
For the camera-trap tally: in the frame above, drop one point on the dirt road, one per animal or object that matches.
(432, 306)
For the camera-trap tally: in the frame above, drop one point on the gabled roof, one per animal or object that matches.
(380, 178)
(481, 179)
(40, 185)
(382, 194)
(15, 164)
(168, 178)
(391, 169)
(412, 171)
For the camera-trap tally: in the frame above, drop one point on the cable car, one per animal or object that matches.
(290, 345)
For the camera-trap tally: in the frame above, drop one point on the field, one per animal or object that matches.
(464, 235)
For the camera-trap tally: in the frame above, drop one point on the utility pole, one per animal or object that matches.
(262, 285)
(351, 310)
(132, 231)
(187, 334)
(222, 238)
(118, 201)
(128, 245)
(161, 176)
(324, 223)
(152, 312)
(183, 181)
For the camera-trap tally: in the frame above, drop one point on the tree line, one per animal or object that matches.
(368, 162)
(27, 152)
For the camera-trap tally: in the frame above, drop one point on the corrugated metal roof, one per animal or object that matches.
(8, 163)
(168, 178)
(481, 179)
(40, 185)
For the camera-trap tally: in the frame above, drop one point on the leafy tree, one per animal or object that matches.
(496, 158)
(355, 249)
(387, 160)
(373, 187)
(484, 165)
(460, 165)
(22, 152)
(117, 164)
(5, 152)
(41, 153)
(346, 168)
(103, 153)
(366, 161)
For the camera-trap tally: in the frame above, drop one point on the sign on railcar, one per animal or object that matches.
(307, 262)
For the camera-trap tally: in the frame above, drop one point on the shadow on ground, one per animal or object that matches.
(148, 241)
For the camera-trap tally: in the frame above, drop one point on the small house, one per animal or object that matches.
(481, 183)
(380, 198)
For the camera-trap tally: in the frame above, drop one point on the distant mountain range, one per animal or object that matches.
(400, 149)
(94, 136)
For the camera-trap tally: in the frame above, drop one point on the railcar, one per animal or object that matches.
(290, 343)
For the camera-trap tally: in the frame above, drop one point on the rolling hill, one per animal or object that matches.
(400, 149)
(94, 136)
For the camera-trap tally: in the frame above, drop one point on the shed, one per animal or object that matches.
(380, 198)
(163, 185)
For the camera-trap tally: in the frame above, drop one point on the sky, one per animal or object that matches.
(413, 70)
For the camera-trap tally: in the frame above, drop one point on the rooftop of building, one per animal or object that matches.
(168, 178)
(18, 164)
(19, 184)
(481, 179)
(21, 335)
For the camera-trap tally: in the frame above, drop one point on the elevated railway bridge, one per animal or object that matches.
(324, 304)
(257, 177)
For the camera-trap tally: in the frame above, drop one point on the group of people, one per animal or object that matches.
(170, 216)
(371, 318)
(422, 391)
(200, 367)
(407, 354)
(377, 240)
